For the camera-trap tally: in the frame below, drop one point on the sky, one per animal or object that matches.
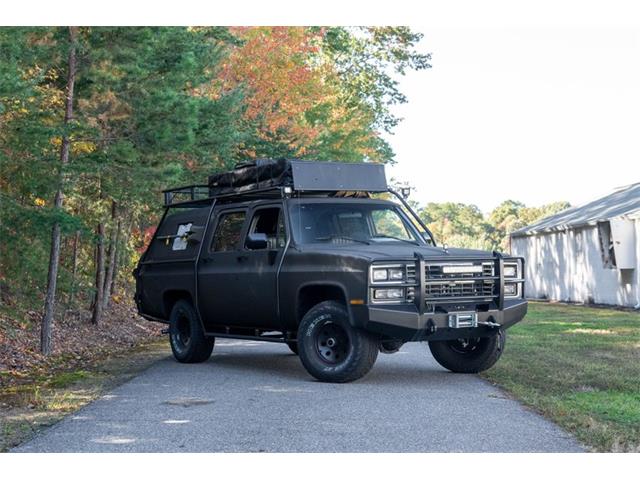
(531, 114)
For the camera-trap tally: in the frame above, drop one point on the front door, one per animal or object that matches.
(258, 272)
(218, 270)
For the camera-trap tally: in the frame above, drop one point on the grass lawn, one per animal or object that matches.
(580, 367)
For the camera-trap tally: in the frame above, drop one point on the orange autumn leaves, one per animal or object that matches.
(292, 93)
(275, 65)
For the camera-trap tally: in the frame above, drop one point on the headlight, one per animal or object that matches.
(385, 274)
(511, 270)
(380, 275)
(395, 274)
(392, 283)
(388, 293)
(510, 289)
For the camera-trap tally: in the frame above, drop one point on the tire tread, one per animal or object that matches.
(460, 364)
(364, 356)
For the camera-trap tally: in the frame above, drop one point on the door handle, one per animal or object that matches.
(206, 260)
(242, 258)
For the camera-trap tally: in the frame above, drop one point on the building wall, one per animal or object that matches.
(567, 266)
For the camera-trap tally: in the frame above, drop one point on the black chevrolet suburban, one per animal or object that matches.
(317, 256)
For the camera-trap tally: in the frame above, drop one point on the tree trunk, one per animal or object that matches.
(54, 256)
(122, 249)
(98, 300)
(113, 248)
(74, 272)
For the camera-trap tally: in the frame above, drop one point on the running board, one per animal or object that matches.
(261, 338)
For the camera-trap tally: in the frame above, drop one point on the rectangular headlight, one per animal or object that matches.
(510, 289)
(387, 274)
(396, 274)
(379, 275)
(511, 271)
(388, 293)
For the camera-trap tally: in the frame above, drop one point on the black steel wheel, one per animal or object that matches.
(188, 341)
(469, 355)
(332, 343)
(330, 348)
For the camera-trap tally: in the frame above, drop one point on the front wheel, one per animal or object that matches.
(293, 346)
(188, 341)
(331, 349)
(469, 355)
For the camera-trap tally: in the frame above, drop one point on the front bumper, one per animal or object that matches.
(407, 324)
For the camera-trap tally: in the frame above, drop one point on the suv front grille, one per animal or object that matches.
(467, 285)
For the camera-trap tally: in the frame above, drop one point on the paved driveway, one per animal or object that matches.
(254, 397)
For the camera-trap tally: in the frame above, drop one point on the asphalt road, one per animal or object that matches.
(255, 397)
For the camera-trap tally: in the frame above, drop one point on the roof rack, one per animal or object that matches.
(283, 176)
(187, 193)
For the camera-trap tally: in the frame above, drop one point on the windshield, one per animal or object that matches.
(341, 223)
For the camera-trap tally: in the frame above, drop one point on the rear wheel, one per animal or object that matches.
(469, 355)
(188, 341)
(331, 349)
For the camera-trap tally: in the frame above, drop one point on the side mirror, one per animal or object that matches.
(405, 192)
(257, 241)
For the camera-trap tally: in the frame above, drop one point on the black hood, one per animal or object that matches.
(394, 250)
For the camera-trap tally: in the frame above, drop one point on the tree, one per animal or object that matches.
(54, 257)
(138, 122)
(456, 224)
(461, 225)
(511, 215)
(318, 92)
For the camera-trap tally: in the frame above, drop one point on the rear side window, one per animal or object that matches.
(171, 241)
(227, 235)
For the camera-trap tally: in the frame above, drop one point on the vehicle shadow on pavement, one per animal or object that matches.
(286, 365)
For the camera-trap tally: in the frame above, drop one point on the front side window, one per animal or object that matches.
(227, 234)
(342, 223)
(270, 222)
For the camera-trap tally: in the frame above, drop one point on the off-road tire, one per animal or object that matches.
(389, 347)
(293, 346)
(188, 341)
(355, 353)
(478, 357)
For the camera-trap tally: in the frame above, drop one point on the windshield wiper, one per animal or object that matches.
(412, 242)
(342, 237)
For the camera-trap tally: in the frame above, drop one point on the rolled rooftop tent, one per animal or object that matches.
(301, 176)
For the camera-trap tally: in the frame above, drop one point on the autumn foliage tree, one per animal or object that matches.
(320, 92)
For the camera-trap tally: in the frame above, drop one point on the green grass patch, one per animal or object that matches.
(579, 366)
(65, 379)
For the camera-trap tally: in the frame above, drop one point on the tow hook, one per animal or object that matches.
(490, 324)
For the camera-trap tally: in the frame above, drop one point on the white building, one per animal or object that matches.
(588, 254)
